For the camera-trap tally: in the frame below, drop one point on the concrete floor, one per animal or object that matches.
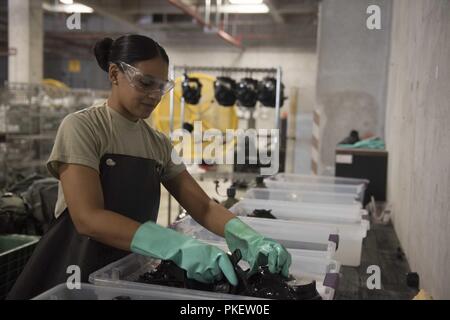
(380, 248)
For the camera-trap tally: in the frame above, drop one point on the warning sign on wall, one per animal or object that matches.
(74, 66)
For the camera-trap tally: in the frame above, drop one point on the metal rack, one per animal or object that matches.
(276, 72)
(30, 115)
(176, 70)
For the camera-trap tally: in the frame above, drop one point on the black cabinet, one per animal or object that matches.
(365, 164)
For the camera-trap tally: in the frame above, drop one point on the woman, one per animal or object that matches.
(110, 164)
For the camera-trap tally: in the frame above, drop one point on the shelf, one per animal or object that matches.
(13, 136)
(37, 114)
(27, 164)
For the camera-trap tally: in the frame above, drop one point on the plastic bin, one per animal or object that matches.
(318, 183)
(304, 236)
(292, 177)
(357, 191)
(124, 272)
(15, 250)
(288, 210)
(148, 292)
(342, 242)
(310, 197)
(351, 236)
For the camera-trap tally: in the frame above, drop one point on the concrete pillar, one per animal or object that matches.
(352, 72)
(25, 39)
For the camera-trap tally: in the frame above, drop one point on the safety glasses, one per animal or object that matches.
(145, 83)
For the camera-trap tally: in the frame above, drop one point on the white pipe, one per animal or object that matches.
(218, 13)
(208, 11)
(172, 97)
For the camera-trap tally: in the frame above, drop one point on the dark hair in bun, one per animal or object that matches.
(101, 51)
(129, 49)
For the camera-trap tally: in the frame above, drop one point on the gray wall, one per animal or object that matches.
(418, 138)
(352, 71)
(90, 76)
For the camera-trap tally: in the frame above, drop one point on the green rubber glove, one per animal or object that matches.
(202, 262)
(256, 249)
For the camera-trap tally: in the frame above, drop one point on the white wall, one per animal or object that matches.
(418, 138)
(299, 66)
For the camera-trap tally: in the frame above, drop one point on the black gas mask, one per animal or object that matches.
(225, 91)
(247, 92)
(267, 92)
(192, 89)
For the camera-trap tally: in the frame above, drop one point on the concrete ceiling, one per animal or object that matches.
(290, 23)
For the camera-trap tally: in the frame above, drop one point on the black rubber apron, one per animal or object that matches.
(131, 187)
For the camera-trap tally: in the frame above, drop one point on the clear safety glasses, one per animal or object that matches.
(145, 83)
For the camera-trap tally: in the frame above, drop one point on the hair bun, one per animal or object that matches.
(101, 50)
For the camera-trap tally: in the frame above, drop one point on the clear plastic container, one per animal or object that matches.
(342, 242)
(306, 236)
(318, 183)
(351, 236)
(289, 210)
(124, 272)
(357, 191)
(291, 177)
(147, 292)
(310, 197)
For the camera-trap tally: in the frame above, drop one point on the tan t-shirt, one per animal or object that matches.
(85, 136)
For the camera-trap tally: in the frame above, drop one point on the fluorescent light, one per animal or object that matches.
(66, 1)
(244, 8)
(246, 1)
(77, 8)
(67, 8)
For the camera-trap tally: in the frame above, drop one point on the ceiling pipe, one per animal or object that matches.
(207, 11)
(221, 33)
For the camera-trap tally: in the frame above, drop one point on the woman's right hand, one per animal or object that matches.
(202, 262)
